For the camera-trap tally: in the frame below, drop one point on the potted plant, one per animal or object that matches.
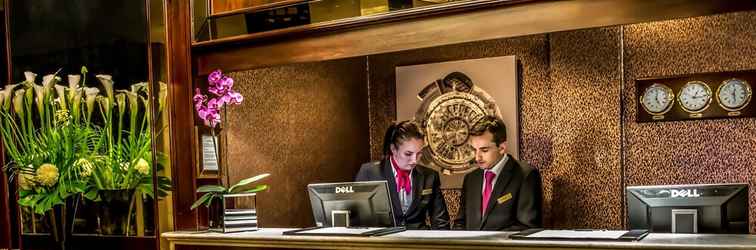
(226, 215)
(62, 153)
(45, 136)
(216, 197)
(122, 175)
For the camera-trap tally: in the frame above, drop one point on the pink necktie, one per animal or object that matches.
(489, 176)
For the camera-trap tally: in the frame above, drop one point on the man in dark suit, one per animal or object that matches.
(414, 190)
(501, 194)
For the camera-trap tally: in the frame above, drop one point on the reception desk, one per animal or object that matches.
(272, 238)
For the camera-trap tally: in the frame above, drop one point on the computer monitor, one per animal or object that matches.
(366, 204)
(712, 208)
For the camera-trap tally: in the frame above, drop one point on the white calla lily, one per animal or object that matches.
(8, 93)
(61, 90)
(73, 84)
(18, 101)
(30, 77)
(90, 97)
(107, 83)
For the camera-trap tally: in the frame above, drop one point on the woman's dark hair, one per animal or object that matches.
(398, 133)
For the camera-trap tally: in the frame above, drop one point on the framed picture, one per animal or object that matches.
(209, 152)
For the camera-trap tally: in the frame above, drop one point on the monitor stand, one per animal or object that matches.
(340, 218)
(685, 221)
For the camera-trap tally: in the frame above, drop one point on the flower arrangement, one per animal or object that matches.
(220, 85)
(72, 140)
(45, 136)
(208, 110)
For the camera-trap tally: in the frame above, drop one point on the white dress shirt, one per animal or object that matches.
(405, 199)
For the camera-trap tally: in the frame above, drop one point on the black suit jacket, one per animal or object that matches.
(426, 195)
(515, 202)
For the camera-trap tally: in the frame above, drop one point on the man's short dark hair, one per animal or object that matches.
(492, 124)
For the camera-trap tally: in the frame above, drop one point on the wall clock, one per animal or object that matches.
(695, 97)
(734, 94)
(657, 100)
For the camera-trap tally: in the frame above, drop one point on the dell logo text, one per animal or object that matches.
(685, 193)
(343, 190)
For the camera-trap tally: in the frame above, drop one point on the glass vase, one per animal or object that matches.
(114, 211)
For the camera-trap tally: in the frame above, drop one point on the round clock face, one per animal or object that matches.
(734, 94)
(695, 97)
(657, 99)
(450, 117)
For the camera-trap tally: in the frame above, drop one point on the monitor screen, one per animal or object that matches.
(368, 203)
(712, 208)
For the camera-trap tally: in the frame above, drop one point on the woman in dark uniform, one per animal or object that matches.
(415, 190)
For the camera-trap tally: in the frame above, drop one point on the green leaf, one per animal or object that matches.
(202, 200)
(91, 194)
(256, 189)
(27, 201)
(211, 188)
(247, 181)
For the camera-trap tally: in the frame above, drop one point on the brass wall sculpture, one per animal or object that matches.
(450, 108)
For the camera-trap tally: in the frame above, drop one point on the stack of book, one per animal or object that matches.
(238, 220)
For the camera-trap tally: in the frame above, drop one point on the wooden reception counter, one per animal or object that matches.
(272, 238)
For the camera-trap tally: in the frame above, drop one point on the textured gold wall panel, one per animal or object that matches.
(586, 173)
(303, 123)
(683, 152)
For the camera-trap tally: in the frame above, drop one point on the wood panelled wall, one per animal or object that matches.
(577, 123)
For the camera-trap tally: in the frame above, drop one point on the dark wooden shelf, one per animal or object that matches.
(436, 25)
(262, 7)
(352, 22)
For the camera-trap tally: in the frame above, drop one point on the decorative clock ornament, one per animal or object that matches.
(450, 108)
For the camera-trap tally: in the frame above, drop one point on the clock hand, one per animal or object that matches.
(733, 95)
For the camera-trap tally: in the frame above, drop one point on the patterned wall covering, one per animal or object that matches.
(303, 123)
(713, 151)
(572, 122)
(586, 173)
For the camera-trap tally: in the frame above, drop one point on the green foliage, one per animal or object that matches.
(57, 149)
(43, 150)
(216, 192)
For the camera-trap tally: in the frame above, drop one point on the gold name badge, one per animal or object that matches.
(427, 191)
(504, 198)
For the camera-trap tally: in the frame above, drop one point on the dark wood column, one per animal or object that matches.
(181, 120)
(8, 227)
